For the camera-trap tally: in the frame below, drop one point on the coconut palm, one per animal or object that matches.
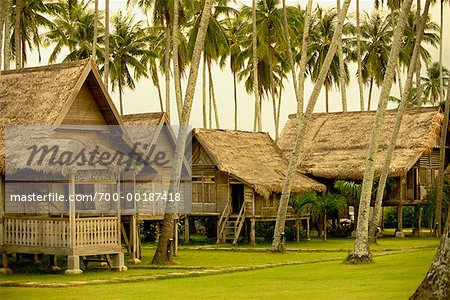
(73, 30)
(161, 255)
(257, 124)
(233, 28)
(431, 83)
(361, 250)
(94, 43)
(376, 41)
(128, 51)
(359, 56)
(300, 202)
(8, 25)
(216, 46)
(107, 46)
(31, 16)
(324, 29)
(325, 204)
(305, 118)
(430, 39)
(271, 46)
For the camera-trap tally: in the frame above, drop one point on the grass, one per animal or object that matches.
(391, 277)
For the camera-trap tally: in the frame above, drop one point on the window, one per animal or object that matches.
(203, 189)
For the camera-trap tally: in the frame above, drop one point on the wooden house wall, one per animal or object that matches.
(84, 110)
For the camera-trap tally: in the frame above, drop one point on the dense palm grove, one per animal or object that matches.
(140, 49)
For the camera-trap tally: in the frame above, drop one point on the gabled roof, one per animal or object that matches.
(43, 95)
(253, 158)
(337, 144)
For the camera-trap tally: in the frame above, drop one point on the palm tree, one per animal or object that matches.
(8, 25)
(430, 38)
(376, 41)
(436, 285)
(31, 16)
(324, 205)
(216, 46)
(128, 51)
(303, 119)
(300, 202)
(324, 29)
(2, 23)
(233, 28)
(168, 222)
(94, 43)
(352, 192)
(73, 30)
(176, 68)
(398, 120)
(257, 126)
(431, 83)
(359, 57)
(342, 74)
(361, 250)
(107, 45)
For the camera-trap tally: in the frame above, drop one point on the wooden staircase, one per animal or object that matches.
(230, 226)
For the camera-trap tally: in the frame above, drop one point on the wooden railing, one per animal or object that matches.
(36, 232)
(96, 231)
(239, 224)
(55, 232)
(223, 221)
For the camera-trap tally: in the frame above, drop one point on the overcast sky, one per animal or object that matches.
(145, 98)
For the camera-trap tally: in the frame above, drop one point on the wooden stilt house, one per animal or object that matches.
(336, 147)
(237, 177)
(67, 95)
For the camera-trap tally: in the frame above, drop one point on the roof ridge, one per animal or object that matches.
(417, 109)
(63, 65)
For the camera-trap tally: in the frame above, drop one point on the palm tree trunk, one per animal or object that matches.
(436, 284)
(176, 69)
(440, 180)
(398, 121)
(2, 23)
(399, 75)
(205, 120)
(303, 120)
(441, 45)
(161, 255)
(167, 68)
(327, 99)
(235, 102)
(341, 66)
(257, 126)
(361, 250)
(358, 57)
(158, 87)
(94, 43)
(418, 61)
(279, 105)
(210, 109)
(370, 94)
(106, 75)
(120, 99)
(17, 35)
(7, 47)
(213, 96)
(272, 91)
(297, 229)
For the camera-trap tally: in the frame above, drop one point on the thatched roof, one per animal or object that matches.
(337, 144)
(42, 95)
(153, 118)
(253, 158)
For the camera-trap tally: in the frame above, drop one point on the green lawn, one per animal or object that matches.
(392, 276)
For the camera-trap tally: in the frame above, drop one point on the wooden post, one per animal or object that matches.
(72, 210)
(252, 231)
(175, 236)
(133, 241)
(307, 228)
(73, 265)
(186, 229)
(399, 233)
(297, 229)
